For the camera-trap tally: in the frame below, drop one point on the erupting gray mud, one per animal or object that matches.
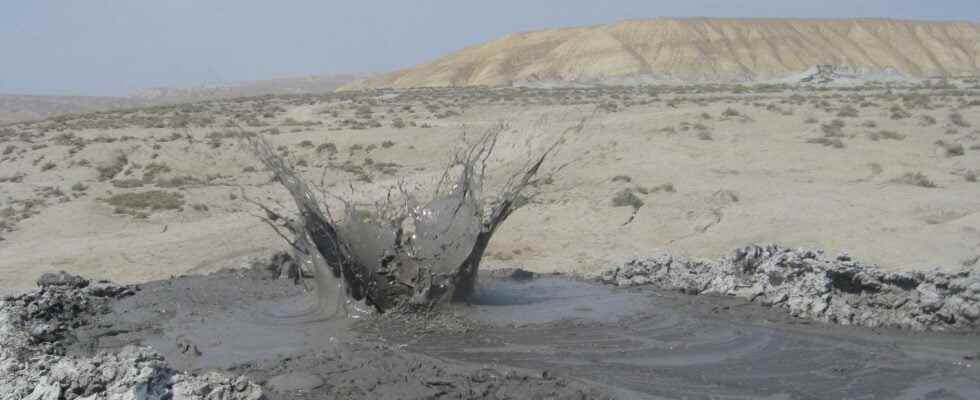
(522, 336)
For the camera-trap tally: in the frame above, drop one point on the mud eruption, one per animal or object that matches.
(406, 251)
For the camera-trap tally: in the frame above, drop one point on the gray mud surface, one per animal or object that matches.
(526, 336)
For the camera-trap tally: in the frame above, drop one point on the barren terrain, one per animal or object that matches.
(888, 175)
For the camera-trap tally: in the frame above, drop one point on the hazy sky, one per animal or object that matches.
(115, 47)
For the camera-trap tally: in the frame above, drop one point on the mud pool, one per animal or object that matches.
(555, 335)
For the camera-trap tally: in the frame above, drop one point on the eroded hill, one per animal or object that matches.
(703, 49)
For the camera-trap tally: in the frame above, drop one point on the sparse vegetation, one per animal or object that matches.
(113, 167)
(951, 149)
(137, 204)
(885, 134)
(915, 179)
(626, 198)
(848, 111)
(957, 120)
(829, 142)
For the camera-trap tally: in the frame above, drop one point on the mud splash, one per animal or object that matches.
(526, 335)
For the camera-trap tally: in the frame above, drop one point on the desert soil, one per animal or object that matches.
(886, 175)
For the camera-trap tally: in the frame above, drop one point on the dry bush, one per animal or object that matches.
(829, 142)
(951, 149)
(927, 120)
(848, 111)
(957, 120)
(112, 167)
(885, 134)
(834, 129)
(138, 204)
(626, 198)
(915, 179)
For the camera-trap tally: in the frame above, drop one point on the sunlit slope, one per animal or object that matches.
(703, 49)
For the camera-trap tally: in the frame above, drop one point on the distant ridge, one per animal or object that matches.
(703, 50)
(19, 107)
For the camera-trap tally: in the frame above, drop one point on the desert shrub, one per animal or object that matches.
(626, 198)
(927, 120)
(154, 200)
(387, 144)
(731, 113)
(810, 120)
(834, 129)
(899, 113)
(957, 120)
(609, 107)
(951, 149)
(848, 111)
(398, 123)
(884, 134)
(970, 176)
(829, 142)
(79, 187)
(200, 207)
(305, 144)
(16, 178)
(151, 170)
(9, 149)
(915, 179)
(48, 166)
(622, 178)
(363, 112)
(328, 147)
(869, 124)
(113, 167)
(177, 181)
(127, 183)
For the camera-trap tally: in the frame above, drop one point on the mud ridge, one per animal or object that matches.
(809, 284)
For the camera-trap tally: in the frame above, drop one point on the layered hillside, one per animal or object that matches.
(704, 50)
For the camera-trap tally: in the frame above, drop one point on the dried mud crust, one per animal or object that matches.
(37, 328)
(808, 284)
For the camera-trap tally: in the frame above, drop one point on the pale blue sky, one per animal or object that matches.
(115, 47)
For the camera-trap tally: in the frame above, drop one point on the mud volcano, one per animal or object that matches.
(522, 336)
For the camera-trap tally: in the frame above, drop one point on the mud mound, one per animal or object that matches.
(37, 327)
(230, 335)
(810, 285)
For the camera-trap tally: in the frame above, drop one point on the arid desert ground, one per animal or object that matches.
(885, 173)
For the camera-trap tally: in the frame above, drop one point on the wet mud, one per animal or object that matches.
(527, 336)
